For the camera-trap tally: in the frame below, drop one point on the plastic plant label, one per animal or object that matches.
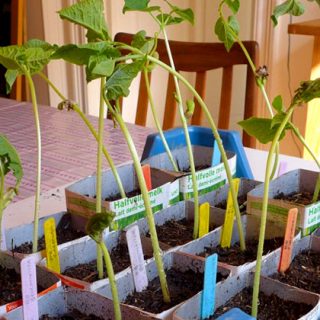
(229, 217)
(235, 314)
(147, 176)
(204, 219)
(51, 245)
(286, 249)
(283, 168)
(209, 286)
(136, 258)
(216, 155)
(3, 243)
(29, 289)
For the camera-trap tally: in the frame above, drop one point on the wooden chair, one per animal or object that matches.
(199, 58)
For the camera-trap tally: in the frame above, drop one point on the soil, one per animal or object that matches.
(304, 272)
(234, 256)
(65, 233)
(304, 198)
(270, 307)
(198, 168)
(74, 315)
(242, 200)
(88, 271)
(182, 285)
(10, 284)
(117, 196)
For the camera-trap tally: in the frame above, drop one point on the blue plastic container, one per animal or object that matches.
(200, 136)
(235, 314)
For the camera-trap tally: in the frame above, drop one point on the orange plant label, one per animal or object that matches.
(147, 176)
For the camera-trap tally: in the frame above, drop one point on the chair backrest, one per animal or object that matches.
(200, 57)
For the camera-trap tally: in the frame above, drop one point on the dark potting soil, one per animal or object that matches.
(270, 307)
(10, 286)
(88, 271)
(74, 315)
(117, 196)
(198, 168)
(182, 286)
(304, 198)
(176, 233)
(234, 256)
(304, 272)
(65, 233)
(242, 200)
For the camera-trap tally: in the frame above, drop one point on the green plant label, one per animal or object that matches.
(312, 215)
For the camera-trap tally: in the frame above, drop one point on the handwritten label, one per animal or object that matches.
(3, 243)
(51, 245)
(204, 219)
(209, 286)
(216, 155)
(286, 249)
(136, 258)
(283, 166)
(229, 217)
(147, 176)
(29, 289)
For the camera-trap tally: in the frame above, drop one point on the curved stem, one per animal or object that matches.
(219, 142)
(263, 221)
(99, 173)
(76, 108)
(111, 277)
(188, 141)
(38, 179)
(156, 121)
(147, 204)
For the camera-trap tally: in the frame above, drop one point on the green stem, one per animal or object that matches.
(219, 142)
(157, 123)
(188, 141)
(76, 108)
(112, 280)
(256, 283)
(99, 173)
(38, 179)
(303, 141)
(147, 204)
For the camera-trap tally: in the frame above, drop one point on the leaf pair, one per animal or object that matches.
(98, 223)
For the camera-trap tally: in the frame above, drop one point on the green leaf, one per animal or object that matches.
(88, 14)
(9, 57)
(10, 76)
(99, 66)
(168, 20)
(117, 85)
(142, 43)
(10, 159)
(277, 103)
(97, 223)
(135, 5)
(184, 14)
(234, 5)
(307, 91)
(222, 30)
(261, 129)
(293, 7)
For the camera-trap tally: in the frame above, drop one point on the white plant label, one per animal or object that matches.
(283, 168)
(3, 244)
(29, 289)
(136, 258)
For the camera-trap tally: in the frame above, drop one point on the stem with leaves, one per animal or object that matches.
(73, 106)
(146, 199)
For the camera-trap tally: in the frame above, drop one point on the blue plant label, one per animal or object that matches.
(216, 155)
(235, 314)
(209, 286)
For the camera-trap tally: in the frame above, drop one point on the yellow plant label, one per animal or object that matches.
(229, 217)
(204, 219)
(51, 245)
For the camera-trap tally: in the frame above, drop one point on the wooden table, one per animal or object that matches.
(312, 112)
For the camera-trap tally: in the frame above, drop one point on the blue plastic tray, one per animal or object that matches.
(200, 136)
(235, 314)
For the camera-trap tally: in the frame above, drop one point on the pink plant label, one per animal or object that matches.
(283, 168)
(3, 244)
(136, 258)
(286, 250)
(29, 289)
